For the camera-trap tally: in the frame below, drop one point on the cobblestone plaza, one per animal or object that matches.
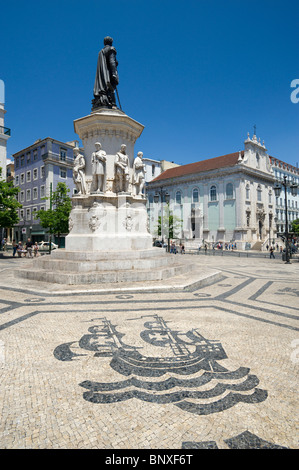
(157, 366)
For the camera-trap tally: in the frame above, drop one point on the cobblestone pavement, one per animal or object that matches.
(212, 367)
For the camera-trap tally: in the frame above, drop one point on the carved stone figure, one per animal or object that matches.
(121, 170)
(106, 78)
(139, 174)
(98, 161)
(79, 172)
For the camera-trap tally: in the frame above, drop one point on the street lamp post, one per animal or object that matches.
(277, 191)
(166, 196)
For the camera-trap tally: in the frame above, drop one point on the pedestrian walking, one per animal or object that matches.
(35, 249)
(14, 247)
(272, 252)
(29, 247)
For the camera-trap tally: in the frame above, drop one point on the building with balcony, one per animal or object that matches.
(4, 136)
(227, 199)
(38, 168)
(281, 170)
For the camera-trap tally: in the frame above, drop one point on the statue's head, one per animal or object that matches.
(98, 145)
(76, 150)
(140, 154)
(108, 41)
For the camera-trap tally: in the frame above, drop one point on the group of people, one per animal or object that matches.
(25, 249)
(173, 248)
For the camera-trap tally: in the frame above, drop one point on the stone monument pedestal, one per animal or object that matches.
(108, 240)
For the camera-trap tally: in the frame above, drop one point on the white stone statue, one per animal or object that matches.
(79, 172)
(121, 170)
(139, 174)
(98, 161)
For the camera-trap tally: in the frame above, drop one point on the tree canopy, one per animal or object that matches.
(295, 226)
(56, 218)
(8, 204)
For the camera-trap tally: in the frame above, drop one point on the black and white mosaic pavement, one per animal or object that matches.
(210, 367)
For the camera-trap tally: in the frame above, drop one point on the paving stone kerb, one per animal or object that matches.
(250, 310)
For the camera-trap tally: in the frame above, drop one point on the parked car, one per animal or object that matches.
(158, 243)
(44, 246)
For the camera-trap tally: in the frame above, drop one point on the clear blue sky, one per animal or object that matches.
(198, 74)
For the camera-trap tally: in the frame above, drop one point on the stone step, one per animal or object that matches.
(107, 255)
(57, 265)
(96, 277)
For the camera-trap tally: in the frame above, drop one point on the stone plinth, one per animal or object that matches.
(103, 267)
(108, 222)
(112, 128)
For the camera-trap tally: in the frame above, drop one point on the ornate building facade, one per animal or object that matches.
(224, 199)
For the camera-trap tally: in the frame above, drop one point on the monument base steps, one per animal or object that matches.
(78, 268)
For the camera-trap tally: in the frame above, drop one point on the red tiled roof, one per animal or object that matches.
(198, 167)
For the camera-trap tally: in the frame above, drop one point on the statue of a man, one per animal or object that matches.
(79, 172)
(122, 170)
(106, 77)
(98, 162)
(139, 174)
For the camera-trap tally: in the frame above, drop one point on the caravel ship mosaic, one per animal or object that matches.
(202, 385)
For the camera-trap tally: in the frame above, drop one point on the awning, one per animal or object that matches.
(33, 232)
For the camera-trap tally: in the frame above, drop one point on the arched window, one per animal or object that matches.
(247, 191)
(257, 160)
(213, 193)
(195, 195)
(229, 191)
(178, 197)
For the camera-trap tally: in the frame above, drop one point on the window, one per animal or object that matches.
(257, 160)
(28, 176)
(35, 193)
(28, 195)
(22, 214)
(247, 191)
(259, 193)
(63, 155)
(35, 154)
(22, 160)
(17, 181)
(248, 219)
(213, 193)
(22, 178)
(270, 197)
(153, 170)
(229, 191)
(35, 174)
(34, 211)
(42, 208)
(178, 197)
(17, 162)
(22, 196)
(42, 171)
(62, 173)
(195, 195)
(28, 214)
(28, 157)
(42, 191)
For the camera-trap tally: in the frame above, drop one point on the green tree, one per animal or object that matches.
(295, 226)
(8, 204)
(172, 224)
(56, 218)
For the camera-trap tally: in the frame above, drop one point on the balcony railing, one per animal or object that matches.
(57, 158)
(4, 130)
